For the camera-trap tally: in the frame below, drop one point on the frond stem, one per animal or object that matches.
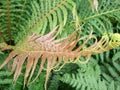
(104, 13)
(50, 12)
(9, 24)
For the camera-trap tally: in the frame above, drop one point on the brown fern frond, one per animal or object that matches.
(54, 53)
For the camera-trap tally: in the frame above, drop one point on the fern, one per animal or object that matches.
(102, 20)
(116, 56)
(4, 80)
(89, 77)
(23, 28)
(86, 77)
(2, 75)
(54, 82)
(110, 66)
(33, 16)
(38, 84)
(50, 54)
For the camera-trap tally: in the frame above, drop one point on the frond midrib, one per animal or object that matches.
(100, 14)
(47, 14)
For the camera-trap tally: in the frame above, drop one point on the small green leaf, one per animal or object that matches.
(116, 56)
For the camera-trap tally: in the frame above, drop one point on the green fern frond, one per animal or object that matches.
(3, 78)
(101, 21)
(110, 66)
(89, 77)
(116, 56)
(28, 16)
(50, 11)
(10, 18)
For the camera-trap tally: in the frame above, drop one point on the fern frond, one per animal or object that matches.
(10, 15)
(110, 66)
(89, 77)
(51, 13)
(3, 80)
(101, 20)
(25, 16)
(53, 52)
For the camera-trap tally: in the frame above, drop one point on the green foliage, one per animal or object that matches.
(20, 18)
(92, 77)
(110, 65)
(103, 20)
(33, 16)
(5, 81)
(87, 76)
(3, 75)
(38, 84)
(54, 82)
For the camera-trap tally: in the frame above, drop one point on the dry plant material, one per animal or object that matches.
(94, 5)
(54, 53)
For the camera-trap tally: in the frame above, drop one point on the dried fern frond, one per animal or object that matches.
(56, 53)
